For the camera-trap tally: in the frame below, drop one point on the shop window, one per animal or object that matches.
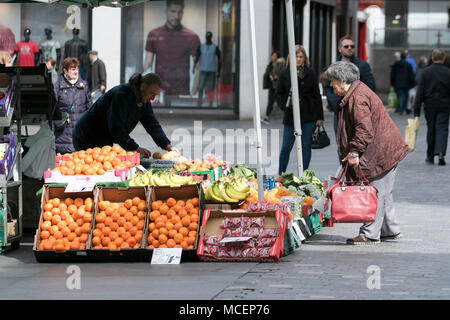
(190, 44)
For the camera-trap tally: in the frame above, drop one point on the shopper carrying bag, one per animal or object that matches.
(320, 138)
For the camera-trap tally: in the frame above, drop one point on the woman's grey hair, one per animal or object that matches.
(343, 71)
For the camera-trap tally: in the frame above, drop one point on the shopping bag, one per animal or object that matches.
(392, 99)
(320, 138)
(353, 201)
(411, 133)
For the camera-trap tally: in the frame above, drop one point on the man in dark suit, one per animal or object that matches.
(97, 78)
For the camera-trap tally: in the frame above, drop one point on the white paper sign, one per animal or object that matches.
(166, 256)
(235, 239)
(80, 186)
(298, 235)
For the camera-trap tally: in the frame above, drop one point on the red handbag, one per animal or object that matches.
(353, 201)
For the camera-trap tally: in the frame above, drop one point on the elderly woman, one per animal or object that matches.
(367, 137)
(73, 98)
(311, 110)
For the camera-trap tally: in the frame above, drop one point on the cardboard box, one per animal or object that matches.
(109, 176)
(211, 227)
(178, 193)
(118, 195)
(48, 193)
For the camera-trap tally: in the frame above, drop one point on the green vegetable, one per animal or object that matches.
(243, 171)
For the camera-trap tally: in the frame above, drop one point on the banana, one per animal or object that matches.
(215, 193)
(232, 193)
(241, 186)
(225, 196)
(145, 179)
(159, 181)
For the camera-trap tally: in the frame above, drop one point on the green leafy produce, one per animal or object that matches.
(243, 171)
(307, 185)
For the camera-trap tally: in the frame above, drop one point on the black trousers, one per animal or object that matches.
(437, 130)
(272, 99)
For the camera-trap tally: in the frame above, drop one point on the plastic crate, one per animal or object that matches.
(8, 160)
(314, 218)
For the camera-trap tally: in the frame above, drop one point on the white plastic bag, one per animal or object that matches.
(411, 133)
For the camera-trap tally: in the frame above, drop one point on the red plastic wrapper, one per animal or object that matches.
(231, 222)
(212, 240)
(252, 232)
(233, 232)
(265, 242)
(235, 252)
(213, 250)
(269, 233)
(223, 253)
(252, 222)
(263, 252)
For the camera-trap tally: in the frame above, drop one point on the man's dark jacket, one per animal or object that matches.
(434, 88)
(97, 75)
(113, 117)
(402, 76)
(365, 75)
(310, 100)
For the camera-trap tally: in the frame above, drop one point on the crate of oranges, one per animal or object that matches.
(64, 225)
(106, 164)
(119, 223)
(174, 215)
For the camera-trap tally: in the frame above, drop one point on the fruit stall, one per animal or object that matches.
(106, 204)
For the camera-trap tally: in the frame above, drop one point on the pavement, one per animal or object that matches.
(416, 266)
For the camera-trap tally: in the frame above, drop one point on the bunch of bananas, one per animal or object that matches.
(161, 178)
(228, 190)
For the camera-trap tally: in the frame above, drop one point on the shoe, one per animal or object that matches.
(408, 111)
(429, 160)
(361, 240)
(265, 121)
(391, 237)
(441, 160)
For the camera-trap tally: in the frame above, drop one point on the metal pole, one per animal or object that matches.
(256, 110)
(294, 85)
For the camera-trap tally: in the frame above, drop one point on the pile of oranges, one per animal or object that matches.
(66, 224)
(173, 224)
(95, 161)
(119, 225)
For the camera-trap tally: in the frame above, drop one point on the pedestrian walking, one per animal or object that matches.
(311, 110)
(402, 80)
(97, 77)
(367, 137)
(346, 47)
(423, 63)
(270, 79)
(50, 63)
(434, 92)
(73, 98)
(410, 60)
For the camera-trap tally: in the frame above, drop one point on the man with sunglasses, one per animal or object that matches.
(346, 48)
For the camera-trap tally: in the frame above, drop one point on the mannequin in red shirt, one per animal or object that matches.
(26, 51)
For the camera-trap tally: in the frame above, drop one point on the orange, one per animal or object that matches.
(188, 207)
(184, 244)
(61, 225)
(78, 202)
(121, 221)
(154, 214)
(135, 201)
(106, 231)
(155, 233)
(193, 211)
(88, 206)
(45, 234)
(106, 241)
(118, 242)
(175, 219)
(160, 224)
(46, 225)
(138, 236)
(155, 205)
(55, 211)
(135, 221)
(84, 237)
(62, 206)
(112, 246)
(128, 225)
(58, 235)
(184, 231)
(171, 243)
(103, 205)
(141, 215)
(178, 238)
(65, 231)
(109, 211)
(171, 213)
(162, 239)
(195, 202)
(100, 217)
(171, 202)
(100, 225)
(60, 247)
(72, 209)
(141, 205)
(308, 201)
(131, 241)
(164, 208)
(98, 247)
(150, 239)
(134, 210)
(78, 231)
(126, 235)
(151, 226)
(113, 235)
(164, 231)
(96, 241)
(128, 203)
(180, 203)
(133, 231)
(87, 217)
(177, 208)
(194, 217)
(122, 210)
(155, 243)
(193, 226)
(128, 216)
(186, 221)
(48, 246)
(114, 226)
(80, 222)
(182, 213)
(56, 202)
(177, 226)
(169, 226)
(120, 231)
(64, 214)
(163, 246)
(68, 201)
(115, 216)
(108, 221)
(56, 220)
(47, 216)
(191, 240)
(172, 233)
(192, 234)
(164, 218)
(85, 228)
(125, 245)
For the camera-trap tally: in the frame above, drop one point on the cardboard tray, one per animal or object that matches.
(109, 176)
(48, 193)
(134, 158)
(178, 193)
(118, 195)
(211, 226)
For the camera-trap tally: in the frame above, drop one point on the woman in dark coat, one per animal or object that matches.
(311, 110)
(73, 98)
(367, 137)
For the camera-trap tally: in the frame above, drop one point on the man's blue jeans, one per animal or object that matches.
(288, 142)
(402, 98)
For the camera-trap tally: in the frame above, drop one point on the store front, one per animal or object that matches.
(191, 46)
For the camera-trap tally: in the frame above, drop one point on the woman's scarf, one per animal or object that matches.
(72, 82)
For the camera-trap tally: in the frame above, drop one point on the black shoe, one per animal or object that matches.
(441, 160)
(391, 237)
(429, 160)
(408, 111)
(265, 121)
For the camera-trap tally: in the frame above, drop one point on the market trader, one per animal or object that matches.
(114, 116)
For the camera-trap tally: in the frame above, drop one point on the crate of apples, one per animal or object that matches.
(119, 224)
(173, 223)
(65, 224)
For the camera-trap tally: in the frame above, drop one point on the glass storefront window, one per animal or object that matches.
(57, 30)
(190, 44)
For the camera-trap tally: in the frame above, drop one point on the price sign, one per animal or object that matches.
(166, 256)
(80, 186)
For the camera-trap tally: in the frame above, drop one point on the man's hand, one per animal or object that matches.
(170, 148)
(352, 161)
(319, 123)
(144, 152)
(102, 88)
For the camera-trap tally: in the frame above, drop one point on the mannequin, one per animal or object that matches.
(77, 48)
(50, 48)
(26, 51)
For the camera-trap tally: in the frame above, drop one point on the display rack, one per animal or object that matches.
(32, 97)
